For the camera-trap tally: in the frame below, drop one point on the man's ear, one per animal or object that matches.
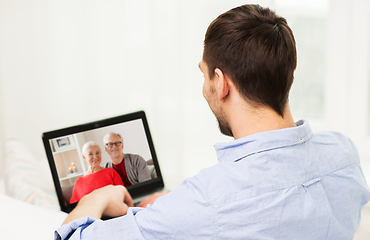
(222, 85)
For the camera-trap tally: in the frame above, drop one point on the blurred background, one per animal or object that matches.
(69, 62)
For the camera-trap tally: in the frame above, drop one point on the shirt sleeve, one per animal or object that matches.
(70, 230)
(92, 228)
(183, 212)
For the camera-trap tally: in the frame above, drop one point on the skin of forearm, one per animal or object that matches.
(85, 208)
(111, 201)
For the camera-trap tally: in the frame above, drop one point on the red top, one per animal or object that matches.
(86, 184)
(121, 169)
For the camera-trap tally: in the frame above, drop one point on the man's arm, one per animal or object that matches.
(111, 201)
(143, 170)
(137, 169)
(170, 217)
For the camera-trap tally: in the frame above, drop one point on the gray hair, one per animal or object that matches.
(87, 145)
(106, 136)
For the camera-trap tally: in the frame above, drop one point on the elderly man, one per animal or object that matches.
(131, 167)
(276, 180)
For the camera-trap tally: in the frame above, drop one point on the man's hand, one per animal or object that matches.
(151, 199)
(110, 201)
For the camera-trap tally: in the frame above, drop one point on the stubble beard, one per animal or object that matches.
(224, 126)
(116, 158)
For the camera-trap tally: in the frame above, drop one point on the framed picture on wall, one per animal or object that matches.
(63, 143)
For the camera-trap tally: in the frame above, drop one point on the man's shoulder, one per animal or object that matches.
(256, 175)
(133, 157)
(335, 143)
(331, 136)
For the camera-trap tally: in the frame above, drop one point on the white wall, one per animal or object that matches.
(348, 77)
(69, 62)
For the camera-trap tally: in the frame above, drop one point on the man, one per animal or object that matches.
(277, 180)
(131, 167)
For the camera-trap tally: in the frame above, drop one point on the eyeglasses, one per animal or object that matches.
(110, 145)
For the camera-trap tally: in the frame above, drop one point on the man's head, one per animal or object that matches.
(113, 144)
(256, 49)
(91, 152)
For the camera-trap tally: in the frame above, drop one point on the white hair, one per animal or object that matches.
(87, 145)
(106, 136)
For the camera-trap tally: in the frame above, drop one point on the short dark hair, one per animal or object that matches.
(256, 49)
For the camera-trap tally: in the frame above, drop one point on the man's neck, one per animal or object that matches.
(260, 119)
(118, 160)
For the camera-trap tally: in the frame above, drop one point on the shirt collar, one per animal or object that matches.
(263, 141)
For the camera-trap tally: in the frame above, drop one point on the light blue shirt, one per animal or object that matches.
(282, 184)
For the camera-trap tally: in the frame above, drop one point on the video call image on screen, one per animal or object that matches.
(70, 164)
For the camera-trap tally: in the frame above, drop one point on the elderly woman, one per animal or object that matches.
(98, 176)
